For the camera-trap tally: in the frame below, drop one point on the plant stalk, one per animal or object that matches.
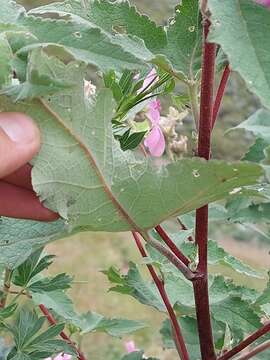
(201, 234)
(257, 350)
(245, 343)
(178, 337)
(193, 94)
(171, 245)
(171, 257)
(220, 93)
(63, 335)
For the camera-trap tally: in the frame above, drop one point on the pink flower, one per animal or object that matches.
(155, 141)
(130, 346)
(61, 356)
(151, 78)
(264, 2)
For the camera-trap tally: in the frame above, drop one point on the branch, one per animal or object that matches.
(171, 257)
(168, 241)
(245, 343)
(220, 93)
(183, 226)
(201, 234)
(257, 350)
(63, 335)
(178, 337)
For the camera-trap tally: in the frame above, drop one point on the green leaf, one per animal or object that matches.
(134, 285)
(58, 282)
(62, 305)
(131, 141)
(258, 124)
(256, 151)
(31, 267)
(19, 238)
(27, 325)
(10, 11)
(184, 38)
(33, 342)
(88, 166)
(58, 301)
(264, 299)
(235, 28)
(20, 356)
(137, 355)
(190, 334)
(228, 305)
(178, 42)
(8, 311)
(245, 211)
(5, 60)
(36, 83)
(218, 256)
(81, 40)
(121, 17)
(48, 334)
(93, 322)
(138, 35)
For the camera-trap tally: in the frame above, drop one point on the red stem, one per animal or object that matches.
(201, 234)
(257, 350)
(245, 343)
(220, 93)
(179, 340)
(63, 335)
(168, 241)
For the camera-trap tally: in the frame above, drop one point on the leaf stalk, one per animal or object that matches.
(63, 335)
(245, 343)
(220, 93)
(178, 337)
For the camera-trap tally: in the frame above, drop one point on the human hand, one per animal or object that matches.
(19, 143)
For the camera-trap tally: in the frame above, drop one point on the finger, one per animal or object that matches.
(19, 141)
(21, 177)
(23, 204)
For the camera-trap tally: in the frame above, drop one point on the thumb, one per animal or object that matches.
(19, 141)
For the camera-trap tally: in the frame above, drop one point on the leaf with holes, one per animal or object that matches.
(175, 47)
(82, 173)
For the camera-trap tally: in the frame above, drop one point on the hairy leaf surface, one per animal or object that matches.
(239, 26)
(82, 173)
(174, 47)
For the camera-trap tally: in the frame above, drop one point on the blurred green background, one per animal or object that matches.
(85, 255)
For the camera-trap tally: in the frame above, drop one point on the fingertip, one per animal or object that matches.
(21, 129)
(20, 141)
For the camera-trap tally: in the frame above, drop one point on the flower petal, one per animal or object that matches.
(63, 357)
(149, 79)
(130, 346)
(153, 112)
(155, 142)
(264, 2)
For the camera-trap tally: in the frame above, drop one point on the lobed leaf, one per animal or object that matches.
(90, 322)
(19, 238)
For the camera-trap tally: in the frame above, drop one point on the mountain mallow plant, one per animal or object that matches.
(98, 169)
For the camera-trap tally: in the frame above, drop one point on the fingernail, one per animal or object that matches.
(19, 128)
